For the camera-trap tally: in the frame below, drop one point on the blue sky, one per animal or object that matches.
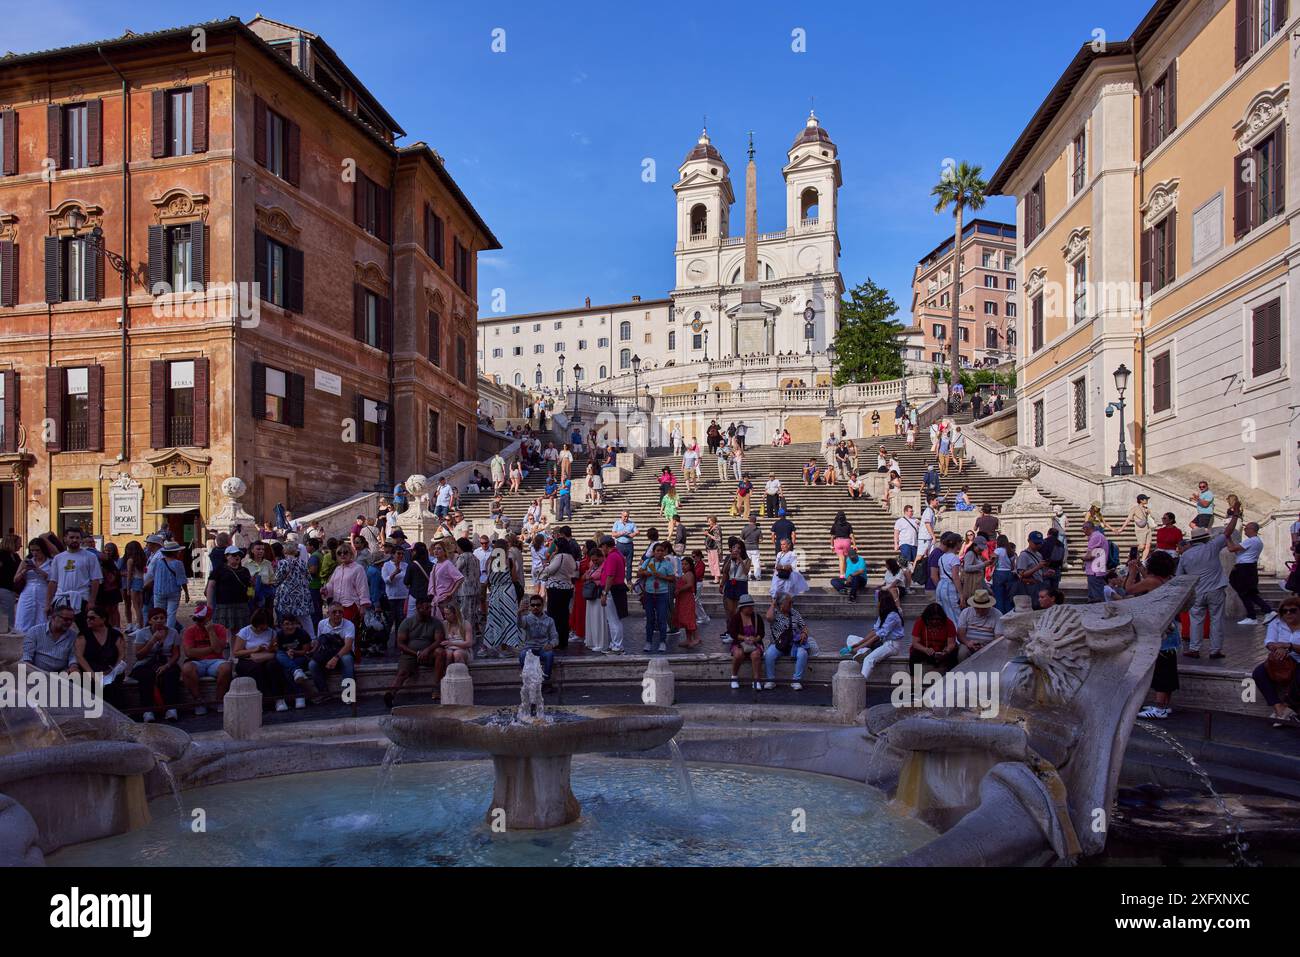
(548, 138)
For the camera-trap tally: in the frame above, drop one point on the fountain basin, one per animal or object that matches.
(532, 759)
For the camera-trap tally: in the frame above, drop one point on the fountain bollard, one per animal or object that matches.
(848, 690)
(657, 685)
(457, 685)
(243, 709)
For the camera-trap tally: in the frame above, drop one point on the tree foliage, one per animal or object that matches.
(868, 345)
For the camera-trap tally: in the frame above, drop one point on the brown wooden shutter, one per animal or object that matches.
(1171, 99)
(358, 200)
(1266, 338)
(439, 242)
(8, 274)
(296, 401)
(260, 265)
(293, 149)
(1279, 169)
(435, 338)
(199, 98)
(55, 385)
(53, 269)
(1160, 396)
(95, 133)
(11, 419)
(1171, 248)
(94, 272)
(9, 161)
(1147, 110)
(259, 131)
(54, 134)
(358, 312)
(158, 117)
(385, 215)
(360, 412)
(1243, 192)
(294, 277)
(157, 260)
(1274, 343)
(259, 390)
(202, 403)
(158, 376)
(1245, 32)
(428, 230)
(95, 413)
(1145, 273)
(198, 277)
(386, 325)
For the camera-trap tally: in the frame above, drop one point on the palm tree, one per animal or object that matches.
(962, 188)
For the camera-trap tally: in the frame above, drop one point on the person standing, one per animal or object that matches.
(76, 577)
(1244, 577)
(1139, 516)
(751, 535)
(713, 547)
(613, 592)
(771, 495)
(906, 536)
(624, 533)
(1095, 559)
(1029, 566)
(497, 465)
(1204, 501)
(659, 579)
(1201, 558)
(557, 577)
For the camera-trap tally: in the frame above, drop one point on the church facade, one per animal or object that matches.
(796, 269)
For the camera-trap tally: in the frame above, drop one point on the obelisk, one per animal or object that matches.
(751, 318)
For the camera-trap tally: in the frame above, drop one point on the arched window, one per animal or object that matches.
(699, 221)
(672, 340)
(519, 380)
(625, 332)
(604, 371)
(766, 271)
(808, 205)
(625, 359)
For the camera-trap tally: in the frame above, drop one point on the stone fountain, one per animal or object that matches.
(532, 747)
(1036, 782)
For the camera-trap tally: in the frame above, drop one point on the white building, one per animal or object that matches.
(798, 271)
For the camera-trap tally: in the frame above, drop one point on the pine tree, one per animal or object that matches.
(868, 346)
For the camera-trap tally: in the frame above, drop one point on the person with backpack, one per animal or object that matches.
(1096, 561)
(1054, 554)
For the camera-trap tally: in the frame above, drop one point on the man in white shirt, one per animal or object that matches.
(906, 533)
(677, 440)
(76, 577)
(442, 498)
(977, 624)
(1244, 577)
(772, 495)
(929, 523)
(395, 591)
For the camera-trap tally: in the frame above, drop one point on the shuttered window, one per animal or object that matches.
(9, 411)
(1266, 338)
(462, 360)
(278, 396)
(372, 318)
(1034, 211)
(279, 272)
(8, 142)
(1036, 331)
(276, 142)
(435, 338)
(1161, 384)
(8, 273)
(74, 402)
(177, 258)
(75, 134)
(1257, 21)
(1160, 109)
(74, 270)
(433, 236)
(370, 207)
(1259, 182)
(1160, 253)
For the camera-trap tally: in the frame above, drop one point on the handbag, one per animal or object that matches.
(591, 590)
(783, 571)
(785, 640)
(1281, 671)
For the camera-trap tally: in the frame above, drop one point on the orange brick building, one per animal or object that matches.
(216, 261)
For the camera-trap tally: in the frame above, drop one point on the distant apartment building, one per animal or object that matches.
(1158, 232)
(987, 298)
(215, 261)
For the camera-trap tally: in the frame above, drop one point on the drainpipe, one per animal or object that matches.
(125, 454)
(392, 336)
(1139, 410)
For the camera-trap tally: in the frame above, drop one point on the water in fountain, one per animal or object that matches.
(532, 706)
(27, 728)
(1232, 830)
(683, 774)
(392, 757)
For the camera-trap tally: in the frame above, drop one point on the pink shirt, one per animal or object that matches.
(613, 571)
(348, 585)
(1097, 548)
(444, 581)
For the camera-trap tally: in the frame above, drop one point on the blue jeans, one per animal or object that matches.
(1096, 588)
(907, 554)
(169, 604)
(565, 507)
(798, 652)
(1004, 584)
(626, 552)
(290, 664)
(548, 661)
(320, 674)
(852, 584)
(656, 618)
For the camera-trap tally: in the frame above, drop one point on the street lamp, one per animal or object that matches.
(830, 402)
(577, 393)
(1121, 466)
(77, 219)
(381, 417)
(560, 375)
(706, 345)
(636, 379)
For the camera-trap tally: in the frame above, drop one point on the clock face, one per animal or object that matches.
(697, 269)
(697, 325)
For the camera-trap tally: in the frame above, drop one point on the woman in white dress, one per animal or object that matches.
(597, 634)
(30, 581)
(786, 577)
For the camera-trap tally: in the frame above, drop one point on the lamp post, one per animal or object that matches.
(577, 393)
(560, 375)
(706, 345)
(830, 402)
(537, 377)
(1121, 466)
(381, 417)
(636, 379)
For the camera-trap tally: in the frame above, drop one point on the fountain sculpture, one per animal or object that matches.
(532, 748)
